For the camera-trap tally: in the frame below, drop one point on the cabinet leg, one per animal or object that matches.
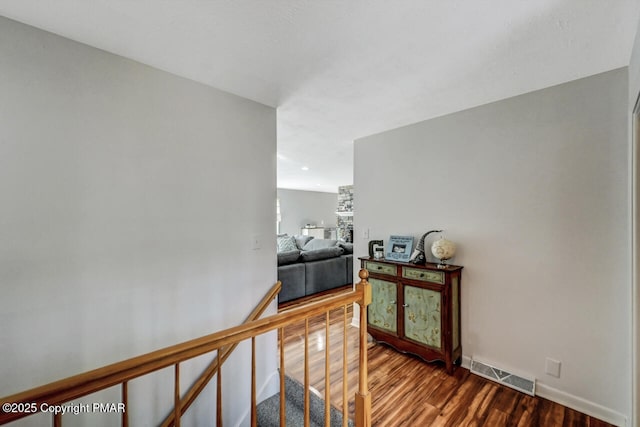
(449, 366)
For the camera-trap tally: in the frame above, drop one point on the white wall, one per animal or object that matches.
(533, 189)
(299, 208)
(130, 198)
(634, 94)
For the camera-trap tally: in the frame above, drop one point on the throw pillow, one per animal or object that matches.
(302, 240)
(348, 247)
(319, 244)
(286, 243)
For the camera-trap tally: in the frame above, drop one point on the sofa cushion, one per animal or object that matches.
(288, 257)
(324, 275)
(348, 247)
(292, 277)
(286, 243)
(302, 240)
(322, 253)
(319, 244)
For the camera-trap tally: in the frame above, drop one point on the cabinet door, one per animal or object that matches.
(383, 310)
(422, 316)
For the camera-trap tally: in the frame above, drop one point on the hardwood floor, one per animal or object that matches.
(409, 392)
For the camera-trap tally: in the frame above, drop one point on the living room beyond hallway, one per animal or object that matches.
(317, 214)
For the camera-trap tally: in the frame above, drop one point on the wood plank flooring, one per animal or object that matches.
(409, 392)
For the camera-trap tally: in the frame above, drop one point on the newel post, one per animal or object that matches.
(363, 397)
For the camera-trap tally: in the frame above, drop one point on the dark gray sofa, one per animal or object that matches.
(313, 268)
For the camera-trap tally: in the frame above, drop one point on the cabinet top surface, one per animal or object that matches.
(427, 266)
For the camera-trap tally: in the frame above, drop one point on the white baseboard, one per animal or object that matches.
(355, 321)
(581, 405)
(466, 362)
(574, 402)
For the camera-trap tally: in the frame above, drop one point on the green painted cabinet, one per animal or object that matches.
(416, 308)
(383, 310)
(422, 315)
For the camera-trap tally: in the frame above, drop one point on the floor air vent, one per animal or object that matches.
(525, 385)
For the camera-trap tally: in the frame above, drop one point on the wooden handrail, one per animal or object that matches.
(211, 370)
(74, 387)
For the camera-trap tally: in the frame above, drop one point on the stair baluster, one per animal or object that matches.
(176, 395)
(327, 373)
(282, 395)
(345, 401)
(254, 420)
(125, 400)
(219, 394)
(306, 374)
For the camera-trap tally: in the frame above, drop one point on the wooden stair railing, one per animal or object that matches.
(59, 392)
(213, 368)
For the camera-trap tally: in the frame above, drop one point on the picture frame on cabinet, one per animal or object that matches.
(399, 248)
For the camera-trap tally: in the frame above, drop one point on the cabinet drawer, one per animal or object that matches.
(376, 267)
(423, 275)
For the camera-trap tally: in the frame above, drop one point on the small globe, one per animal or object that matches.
(443, 249)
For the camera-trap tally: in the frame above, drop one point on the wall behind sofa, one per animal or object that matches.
(306, 207)
(130, 199)
(533, 189)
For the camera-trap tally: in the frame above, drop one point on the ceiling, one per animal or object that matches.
(341, 70)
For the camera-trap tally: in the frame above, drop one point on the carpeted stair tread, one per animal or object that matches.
(268, 411)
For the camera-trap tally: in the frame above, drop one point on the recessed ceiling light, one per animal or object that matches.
(305, 168)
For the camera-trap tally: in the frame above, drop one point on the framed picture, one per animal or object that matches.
(399, 248)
